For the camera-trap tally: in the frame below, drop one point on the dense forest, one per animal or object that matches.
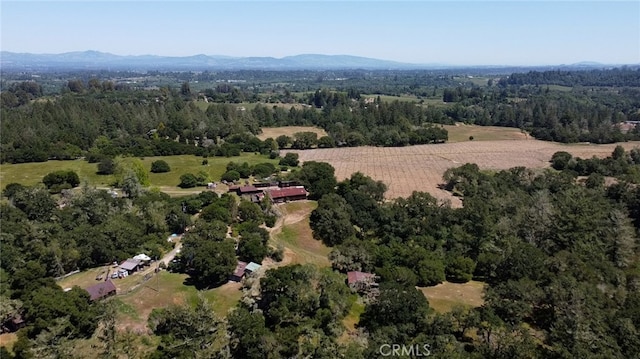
(558, 252)
(96, 117)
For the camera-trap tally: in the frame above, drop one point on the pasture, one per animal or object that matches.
(445, 296)
(420, 168)
(292, 231)
(274, 132)
(32, 173)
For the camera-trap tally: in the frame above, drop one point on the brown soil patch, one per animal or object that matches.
(420, 168)
(7, 340)
(444, 296)
(274, 132)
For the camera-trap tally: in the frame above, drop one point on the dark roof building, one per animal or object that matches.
(131, 264)
(238, 273)
(288, 194)
(101, 290)
(244, 190)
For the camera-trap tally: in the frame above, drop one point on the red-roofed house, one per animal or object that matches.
(288, 194)
(101, 290)
(359, 281)
(238, 273)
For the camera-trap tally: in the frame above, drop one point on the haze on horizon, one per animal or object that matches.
(419, 32)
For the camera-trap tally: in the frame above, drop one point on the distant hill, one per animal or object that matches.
(102, 60)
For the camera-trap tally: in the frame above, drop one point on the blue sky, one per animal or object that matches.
(448, 32)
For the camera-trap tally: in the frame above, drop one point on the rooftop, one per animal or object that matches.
(239, 271)
(130, 264)
(288, 192)
(253, 266)
(101, 289)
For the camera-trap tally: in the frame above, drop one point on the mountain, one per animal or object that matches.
(101, 60)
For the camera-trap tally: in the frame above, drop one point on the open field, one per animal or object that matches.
(274, 132)
(420, 168)
(167, 289)
(461, 132)
(32, 173)
(293, 232)
(444, 296)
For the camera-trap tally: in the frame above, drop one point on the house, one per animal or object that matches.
(288, 194)
(360, 281)
(252, 267)
(131, 265)
(238, 273)
(248, 190)
(102, 290)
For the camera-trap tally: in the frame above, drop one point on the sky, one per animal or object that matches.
(422, 32)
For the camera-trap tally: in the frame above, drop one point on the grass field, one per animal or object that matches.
(443, 297)
(167, 289)
(274, 132)
(294, 233)
(32, 173)
(461, 133)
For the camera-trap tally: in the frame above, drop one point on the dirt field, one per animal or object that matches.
(274, 132)
(461, 132)
(420, 168)
(443, 297)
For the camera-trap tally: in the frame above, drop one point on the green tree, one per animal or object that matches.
(106, 166)
(331, 221)
(290, 159)
(188, 180)
(160, 166)
(318, 177)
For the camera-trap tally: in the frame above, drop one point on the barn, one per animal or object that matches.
(288, 194)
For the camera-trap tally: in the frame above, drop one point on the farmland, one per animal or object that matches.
(274, 132)
(420, 168)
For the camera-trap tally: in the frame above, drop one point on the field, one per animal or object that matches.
(293, 232)
(420, 168)
(274, 132)
(443, 297)
(461, 133)
(32, 173)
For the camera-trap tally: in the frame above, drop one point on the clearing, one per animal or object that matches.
(293, 232)
(444, 296)
(420, 168)
(31, 173)
(461, 132)
(274, 132)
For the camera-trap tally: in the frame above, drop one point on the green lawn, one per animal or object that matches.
(461, 133)
(32, 173)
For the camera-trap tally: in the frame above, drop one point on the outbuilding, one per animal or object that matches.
(102, 290)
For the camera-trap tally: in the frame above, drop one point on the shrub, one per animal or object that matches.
(188, 180)
(106, 166)
(231, 176)
(290, 159)
(160, 166)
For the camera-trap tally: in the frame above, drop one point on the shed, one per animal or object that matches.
(238, 273)
(130, 265)
(252, 267)
(101, 290)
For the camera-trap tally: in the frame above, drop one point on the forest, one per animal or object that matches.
(558, 252)
(98, 117)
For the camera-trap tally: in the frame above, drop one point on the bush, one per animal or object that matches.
(160, 166)
(59, 180)
(230, 176)
(188, 180)
(106, 166)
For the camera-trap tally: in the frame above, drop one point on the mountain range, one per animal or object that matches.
(96, 60)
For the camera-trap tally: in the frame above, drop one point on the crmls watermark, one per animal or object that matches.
(413, 350)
